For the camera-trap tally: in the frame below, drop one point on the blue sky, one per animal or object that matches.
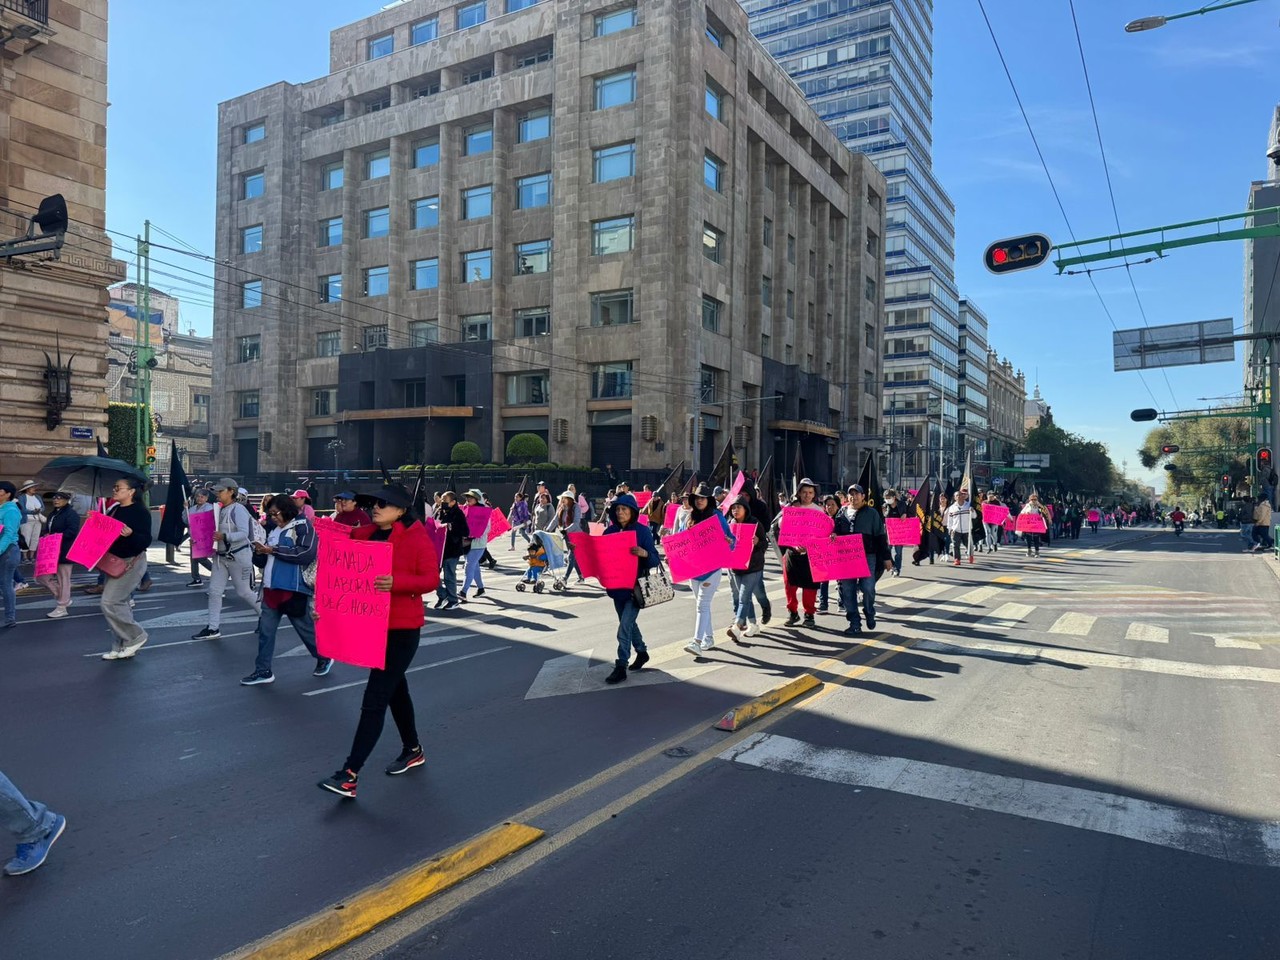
(1184, 113)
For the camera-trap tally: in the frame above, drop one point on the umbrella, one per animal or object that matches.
(93, 476)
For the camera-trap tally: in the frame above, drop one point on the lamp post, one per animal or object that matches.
(1143, 24)
(335, 446)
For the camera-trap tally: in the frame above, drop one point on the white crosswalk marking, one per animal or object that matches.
(1233, 643)
(1148, 632)
(1007, 615)
(976, 597)
(1074, 624)
(928, 590)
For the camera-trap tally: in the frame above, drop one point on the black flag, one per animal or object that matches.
(870, 482)
(721, 473)
(673, 478)
(173, 526)
(102, 451)
(920, 506)
(689, 484)
(797, 470)
(422, 475)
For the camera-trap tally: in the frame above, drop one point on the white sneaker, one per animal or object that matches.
(694, 647)
(130, 604)
(131, 649)
(111, 655)
(707, 644)
(752, 629)
(57, 613)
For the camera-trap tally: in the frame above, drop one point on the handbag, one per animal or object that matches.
(112, 565)
(653, 588)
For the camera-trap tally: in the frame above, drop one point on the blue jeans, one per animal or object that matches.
(824, 590)
(849, 595)
(472, 575)
(744, 585)
(628, 628)
(448, 589)
(523, 530)
(758, 592)
(1246, 534)
(8, 567)
(533, 574)
(27, 820)
(897, 559)
(269, 623)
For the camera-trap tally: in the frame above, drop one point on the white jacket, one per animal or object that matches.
(959, 518)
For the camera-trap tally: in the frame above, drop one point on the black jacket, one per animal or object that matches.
(875, 539)
(458, 539)
(66, 522)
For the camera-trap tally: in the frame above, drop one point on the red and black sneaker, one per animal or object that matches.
(407, 760)
(343, 783)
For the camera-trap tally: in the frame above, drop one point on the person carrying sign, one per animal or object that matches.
(415, 570)
(624, 514)
(746, 582)
(457, 542)
(1033, 507)
(131, 546)
(959, 523)
(65, 521)
(861, 518)
(796, 574)
(704, 587)
(233, 558)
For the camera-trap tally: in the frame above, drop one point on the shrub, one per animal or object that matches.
(122, 431)
(464, 451)
(526, 446)
(545, 466)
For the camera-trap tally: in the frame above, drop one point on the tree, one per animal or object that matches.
(526, 448)
(1209, 447)
(1082, 466)
(464, 451)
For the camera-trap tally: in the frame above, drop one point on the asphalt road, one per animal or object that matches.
(1077, 761)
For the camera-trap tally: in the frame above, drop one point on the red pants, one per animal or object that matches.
(810, 596)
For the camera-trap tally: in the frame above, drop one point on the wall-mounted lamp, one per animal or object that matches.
(57, 381)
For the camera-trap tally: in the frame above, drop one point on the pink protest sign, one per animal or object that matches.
(595, 529)
(351, 616)
(1095, 516)
(745, 532)
(903, 531)
(47, 554)
(994, 513)
(1009, 523)
(326, 527)
(643, 498)
(438, 533)
(607, 559)
(499, 525)
(201, 527)
(700, 550)
(841, 559)
(477, 519)
(669, 521)
(802, 526)
(97, 533)
(734, 490)
(1030, 523)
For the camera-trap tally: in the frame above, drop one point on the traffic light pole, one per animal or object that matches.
(142, 347)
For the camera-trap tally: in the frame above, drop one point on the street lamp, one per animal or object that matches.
(1152, 23)
(335, 447)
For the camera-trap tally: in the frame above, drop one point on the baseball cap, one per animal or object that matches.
(226, 483)
(301, 493)
(857, 488)
(344, 495)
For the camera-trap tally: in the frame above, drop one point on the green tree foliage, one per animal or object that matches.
(464, 451)
(1208, 447)
(526, 448)
(1082, 466)
(122, 431)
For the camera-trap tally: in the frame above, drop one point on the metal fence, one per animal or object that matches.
(37, 10)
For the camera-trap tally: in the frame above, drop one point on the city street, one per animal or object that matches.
(1074, 756)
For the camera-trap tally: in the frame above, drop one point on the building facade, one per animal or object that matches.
(1007, 393)
(617, 226)
(1262, 274)
(1036, 411)
(53, 114)
(974, 396)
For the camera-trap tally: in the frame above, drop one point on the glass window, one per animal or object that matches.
(331, 288)
(477, 202)
(712, 243)
(533, 322)
(791, 304)
(324, 402)
(200, 408)
(715, 35)
(331, 177)
(426, 153)
(543, 54)
(478, 140)
(472, 15)
(382, 46)
(529, 388)
(533, 257)
(422, 332)
(251, 294)
(713, 172)
(768, 232)
(251, 239)
(615, 21)
(614, 163)
(331, 232)
(612, 236)
(707, 383)
(766, 291)
(424, 30)
(415, 393)
(715, 101)
(476, 75)
(255, 132)
(615, 89)
(377, 164)
(250, 348)
(533, 191)
(869, 291)
(427, 90)
(426, 213)
(253, 185)
(377, 222)
(535, 125)
(426, 274)
(612, 308)
(711, 308)
(791, 249)
(332, 117)
(377, 281)
(477, 265)
(477, 326)
(375, 337)
(329, 343)
(382, 102)
(873, 243)
(611, 380)
(514, 5)
(248, 404)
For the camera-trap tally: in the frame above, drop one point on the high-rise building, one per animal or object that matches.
(866, 66)
(617, 226)
(973, 427)
(1262, 272)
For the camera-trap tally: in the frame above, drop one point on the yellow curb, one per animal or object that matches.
(740, 716)
(342, 923)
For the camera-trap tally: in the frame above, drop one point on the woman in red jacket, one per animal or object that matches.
(415, 570)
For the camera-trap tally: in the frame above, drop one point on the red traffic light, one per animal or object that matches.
(1226, 481)
(1170, 448)
(1018, 253)
(1264, 458)
(999, 256)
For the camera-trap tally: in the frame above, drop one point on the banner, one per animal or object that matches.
(903, 531)
(438, 532)
(351, 616)
(200, 526)
(47, 554)
(643, 498)
(326, 527)
(700, 550)
(97, 533)
(844, 558)
(994, 513)
(734, 490)
(477, 519)
(607, 559)
(499, 525)
(1095, 516)
(669, 521)
(741, 555)
(802, 526)
(1030, 523)
(595, 529)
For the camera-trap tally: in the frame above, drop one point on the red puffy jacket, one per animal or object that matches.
(415, 570)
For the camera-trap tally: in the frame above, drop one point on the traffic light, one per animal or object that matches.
(1171, 467)
(1018, 253)
(151, 454)
(1146, 413)
(1264, 462)
(1170, 448)
(1226, 481)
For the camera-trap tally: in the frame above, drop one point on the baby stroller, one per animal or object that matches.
(557, 563)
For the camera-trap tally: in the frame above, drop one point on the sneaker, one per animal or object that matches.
(822, 608)
(642, 657)
(195, 582)
(957, 563)
(208, 633)
(462, 597)
(808, 620)
(853, 630)
(694, 647)
(440, 603)
(735, 633)
(407, 760)
(452, 605)
(707, 644)
(93, 588)
(766, 614)
(57, 613)
(793, 618)
(342, 782)
(323, 667)
(480, 592)
(130, 650)
(31, 855)
(753, 628)
(257, 677)
(871, 623)
(114, 652)
(132, 603)
(971, 558)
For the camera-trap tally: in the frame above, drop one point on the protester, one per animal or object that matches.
(1262, 524)
(544, 513)
(959, 523)
(131, 547)
(346, 511)
(414, 572)
(894, 510)
(233, 560)
(858, 517)
(796, 574)
(64, 520)
(10, 555)
(762, 516)
(1033, 506)
(303, 500)
(744, 583)
(457, 543)
(624, 516)
(570, 519)
(832, 505)
(994, 532)
(32, 508)
(479, 545)
(704, 587)
(34, 827)
(199, 504)
(519, 518)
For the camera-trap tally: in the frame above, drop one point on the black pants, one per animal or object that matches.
(387, 688)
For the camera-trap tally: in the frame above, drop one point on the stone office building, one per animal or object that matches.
(615, 225)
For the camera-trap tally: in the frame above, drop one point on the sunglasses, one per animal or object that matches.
(381, 504)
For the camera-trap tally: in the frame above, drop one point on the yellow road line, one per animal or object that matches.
(741, 715)
(1006, 579)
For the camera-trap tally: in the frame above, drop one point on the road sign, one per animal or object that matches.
(1174, 345)
(82, 433)
(1040, 460)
